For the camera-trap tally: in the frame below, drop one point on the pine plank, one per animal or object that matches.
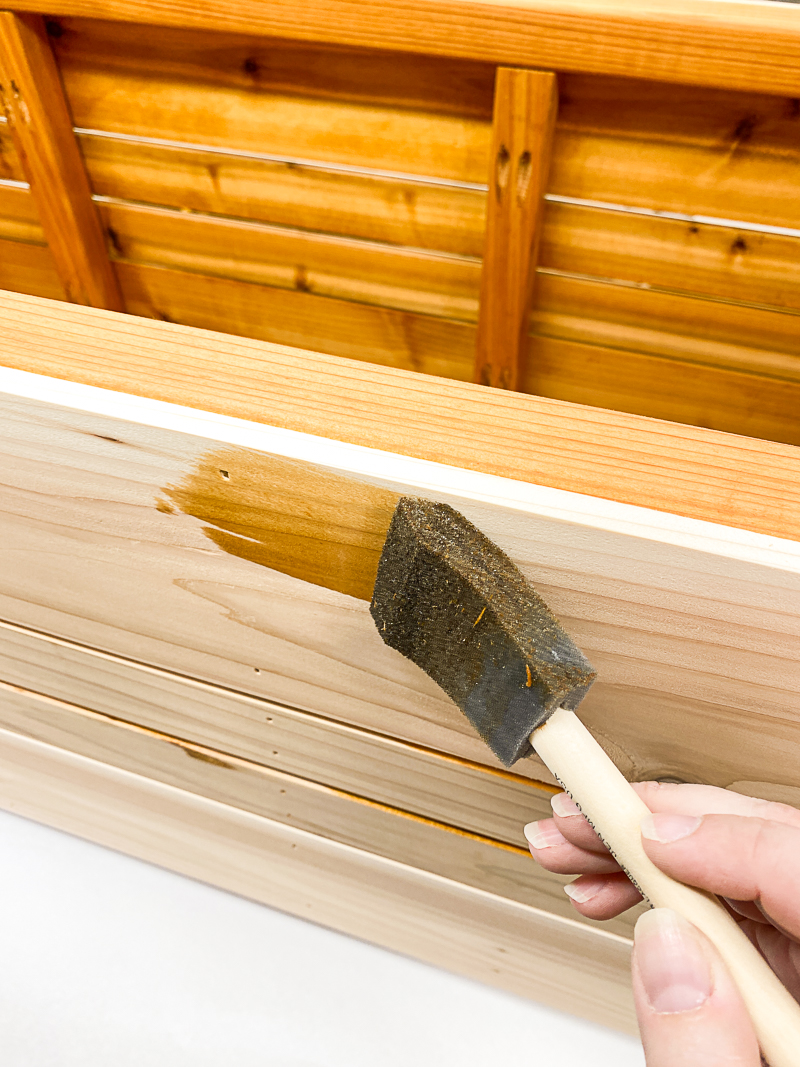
(10, 166)
(525, 109)
(750, 484)
(41, 125)
(29, 268)
(481, 800)
(423, 843)
(207, 558)
(454, 926)
(365, 272)
(692, 42)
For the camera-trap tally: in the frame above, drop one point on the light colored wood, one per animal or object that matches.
(480, 800)
(359, 821)
(525, 106)
(616, 812)
(41, 125)
(694, 42)
(498, 941)
(29, 268)
(684, 470)
(693, 628)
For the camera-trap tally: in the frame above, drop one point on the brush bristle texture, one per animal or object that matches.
(454, 603)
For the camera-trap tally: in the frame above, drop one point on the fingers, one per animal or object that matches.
(602, 896)
(689, 1010)
(740, 858)
(555, 853)
(710, 800)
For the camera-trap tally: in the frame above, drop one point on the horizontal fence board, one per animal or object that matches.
(740, 45)
(300, 319)
(717, 398)
(29, 268)
(395, 210)
(10, 165)
(731, 154)
(723, 262)
(745, 483)
(532, 953)
(370, 273)
(19, 220)
(426, 844)
(300, 68)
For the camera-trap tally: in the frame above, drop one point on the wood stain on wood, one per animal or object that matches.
(289, 516)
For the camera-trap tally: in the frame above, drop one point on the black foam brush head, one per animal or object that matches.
(454, 603)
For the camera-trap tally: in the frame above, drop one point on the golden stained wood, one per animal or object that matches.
(745, 483)
(522, 131)
(451, 925)
(40, 122)
(29, 268)
(692, 42)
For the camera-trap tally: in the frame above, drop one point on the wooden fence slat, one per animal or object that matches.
(524, 118)
(41, 125)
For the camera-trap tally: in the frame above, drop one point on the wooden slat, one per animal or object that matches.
(479, 799)
(42, 127)
(294, 317)
(522, 131)
(424, 843)
(10, 166)
(693, 630)
(29, 268)
(369, 273)
(19, 220)
(694, 42)
(498, 941)
(401, 212)
(725, 262)
(753, 484)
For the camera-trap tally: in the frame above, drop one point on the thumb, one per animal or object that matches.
(689, 1009)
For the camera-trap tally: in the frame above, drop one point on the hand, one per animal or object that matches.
(747, 852)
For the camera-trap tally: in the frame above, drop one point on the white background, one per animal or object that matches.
(109, 962)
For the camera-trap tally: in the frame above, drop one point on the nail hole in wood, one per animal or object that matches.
(225, 475)
(523, 176)
(501, 171)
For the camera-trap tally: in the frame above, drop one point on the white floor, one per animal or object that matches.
(109, 962)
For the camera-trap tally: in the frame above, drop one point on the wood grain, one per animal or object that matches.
(684, 470)
(29, 268)
(525, 108)
(423, 843)
(481, 800)
(693, 630)
(19, 220)
(735, 45)
(41, 125)
(451, 925)
(10, 166)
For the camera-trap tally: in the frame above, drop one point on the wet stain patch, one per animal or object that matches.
(289, 516)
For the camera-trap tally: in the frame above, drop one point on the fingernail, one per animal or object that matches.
(666, 828)
(543, 834)
(580, 892)
(563, 805)
(670, 961)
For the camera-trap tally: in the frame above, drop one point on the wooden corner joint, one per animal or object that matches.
(525, 106)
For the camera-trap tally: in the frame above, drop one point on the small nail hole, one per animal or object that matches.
(523, 176)
(502, 169)
(225, 475)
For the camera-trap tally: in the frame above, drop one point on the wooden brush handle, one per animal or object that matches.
(616, 811)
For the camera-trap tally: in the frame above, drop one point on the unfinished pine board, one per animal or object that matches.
(684, 470)
(29, 268)
(217, 559)
(423, 843)
(504, 943)
(480, 800)
(525, 108)
(727, 44)
(41, 125)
